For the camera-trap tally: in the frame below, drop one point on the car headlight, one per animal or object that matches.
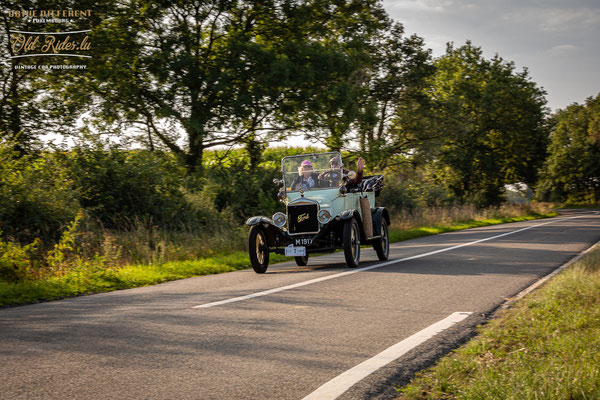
(324, 216)
(279, 219)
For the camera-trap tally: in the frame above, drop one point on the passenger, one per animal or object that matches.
(306, 178)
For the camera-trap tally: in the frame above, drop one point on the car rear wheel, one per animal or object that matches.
(301, 261)
(382, 246)
(258, 249)
(352, 242)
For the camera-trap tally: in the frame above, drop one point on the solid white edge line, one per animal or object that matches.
(354, 271)
(341, 383)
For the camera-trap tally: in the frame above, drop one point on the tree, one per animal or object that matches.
(494, 130)
(333, 109)
(19, 111)
(572, 170)
(221, 72)
(393, 106)
(35, 101)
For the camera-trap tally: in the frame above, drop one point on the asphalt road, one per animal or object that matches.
(152, 343)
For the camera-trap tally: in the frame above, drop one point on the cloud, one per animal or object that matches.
(556, 19)
(420, 5)
(562, 50)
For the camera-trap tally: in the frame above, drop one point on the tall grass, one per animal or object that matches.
(143, 243)
(85, 243)
(152, 245)
(446, 216)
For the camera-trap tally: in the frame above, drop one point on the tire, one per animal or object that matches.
(352, 242)
(382, 246)
(301, 261)
(258, 249)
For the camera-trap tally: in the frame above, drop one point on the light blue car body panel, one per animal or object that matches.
(333, 201)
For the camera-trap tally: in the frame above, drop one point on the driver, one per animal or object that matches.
(333, 176)
(306, 178)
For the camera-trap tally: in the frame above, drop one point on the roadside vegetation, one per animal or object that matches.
(435, 220)
(546, 346)
(157, 163)
(30, 274)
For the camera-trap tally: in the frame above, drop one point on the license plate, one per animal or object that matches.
(303, 242)
(295, 251)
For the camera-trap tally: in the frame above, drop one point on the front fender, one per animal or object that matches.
(257, 220)
(275, 236)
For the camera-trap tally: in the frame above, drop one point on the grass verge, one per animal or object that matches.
(87, 280)
(398, 235)
(546, 347)
(88, 277)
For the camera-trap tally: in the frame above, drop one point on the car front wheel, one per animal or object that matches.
(352, 242)
(258, 249)
(301, 261)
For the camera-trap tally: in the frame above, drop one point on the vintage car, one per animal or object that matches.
(326, 210)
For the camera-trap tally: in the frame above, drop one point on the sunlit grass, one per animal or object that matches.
(546, 347)
(88, 280)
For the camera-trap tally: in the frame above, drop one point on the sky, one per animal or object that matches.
(558, 41)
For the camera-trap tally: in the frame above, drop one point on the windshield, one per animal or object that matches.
(312, 171)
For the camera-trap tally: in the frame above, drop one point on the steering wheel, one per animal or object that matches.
(328, 178)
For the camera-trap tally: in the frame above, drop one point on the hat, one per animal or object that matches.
(306, 162)
(335, 159)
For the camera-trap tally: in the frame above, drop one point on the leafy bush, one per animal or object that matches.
(411, 191)
(116, 186)
(36, 199)
(241, 190)
(16, 261)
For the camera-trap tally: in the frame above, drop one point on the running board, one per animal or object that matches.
(374, 237)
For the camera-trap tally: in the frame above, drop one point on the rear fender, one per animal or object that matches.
(379, 213)
(347, 214)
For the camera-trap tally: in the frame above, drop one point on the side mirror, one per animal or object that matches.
(351, 175)
(277, 182)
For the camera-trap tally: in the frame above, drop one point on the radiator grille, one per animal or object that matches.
(303, 218)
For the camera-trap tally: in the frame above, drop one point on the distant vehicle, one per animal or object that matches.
(325, 211)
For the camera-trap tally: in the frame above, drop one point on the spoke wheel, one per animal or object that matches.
(258, 249)
(352, 243)
(382, 246)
